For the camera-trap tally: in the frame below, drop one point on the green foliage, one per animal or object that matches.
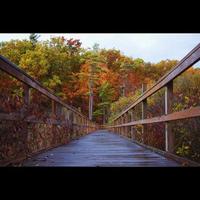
(53, 82)
(15, 49)
(35, 63)
(106, 92)
(74, 73)
(122, 103)
(183, 151)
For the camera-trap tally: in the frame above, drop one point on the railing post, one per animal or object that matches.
(169, 135)
(132, 127)
(126, 121)
(86, 123)
(129, 127)
(58, 109)
(115, 122)
(26, 95)
(120, 128)
(53, 105)
(123, 129)
(116, 129)
(75, 125)
(26, 101)
(121, 122)
(81, 125)
(118, 122)
(144, 114)
(85, 126)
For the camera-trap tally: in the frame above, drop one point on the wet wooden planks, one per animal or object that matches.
(103, 149)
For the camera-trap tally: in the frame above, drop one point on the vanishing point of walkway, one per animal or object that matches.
(103, 149)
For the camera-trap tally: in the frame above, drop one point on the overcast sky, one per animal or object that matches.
(149, 47)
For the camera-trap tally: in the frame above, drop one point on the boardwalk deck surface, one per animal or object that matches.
(100, 148)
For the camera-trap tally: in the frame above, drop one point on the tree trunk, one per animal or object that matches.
(90, 95)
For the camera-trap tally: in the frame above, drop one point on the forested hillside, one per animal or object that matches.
(67, 69)
(106, 78)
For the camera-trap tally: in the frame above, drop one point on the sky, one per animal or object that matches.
(149, 47)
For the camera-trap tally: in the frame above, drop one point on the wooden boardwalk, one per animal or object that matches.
(103, 149)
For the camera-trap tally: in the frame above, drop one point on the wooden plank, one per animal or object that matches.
(191, 58)
(103, 149)
(184, 161)
(184, 114)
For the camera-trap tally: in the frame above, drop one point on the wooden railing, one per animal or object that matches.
(125, 118)
(61, 113)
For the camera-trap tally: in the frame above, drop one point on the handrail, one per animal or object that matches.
(125, 120)
(58, 128)
(22, 76)
(191, 58)
(183, 114)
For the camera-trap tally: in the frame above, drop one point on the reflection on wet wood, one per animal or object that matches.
(100, 148)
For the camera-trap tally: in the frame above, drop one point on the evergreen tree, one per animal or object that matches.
(34, 38)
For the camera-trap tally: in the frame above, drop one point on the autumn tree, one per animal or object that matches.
(90, 72)
(15, 49)
(106, 93)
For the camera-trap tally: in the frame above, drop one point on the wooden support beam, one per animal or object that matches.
(116, 129)
(119, 124)
(132, 127)
(125, 122)
(58, 109)
(127, 128)
(124, 128)
(144, 114)
(122, 121)
(169, 135)
(81, 125)
(53, 105)
(85, 125)
(26, 94)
